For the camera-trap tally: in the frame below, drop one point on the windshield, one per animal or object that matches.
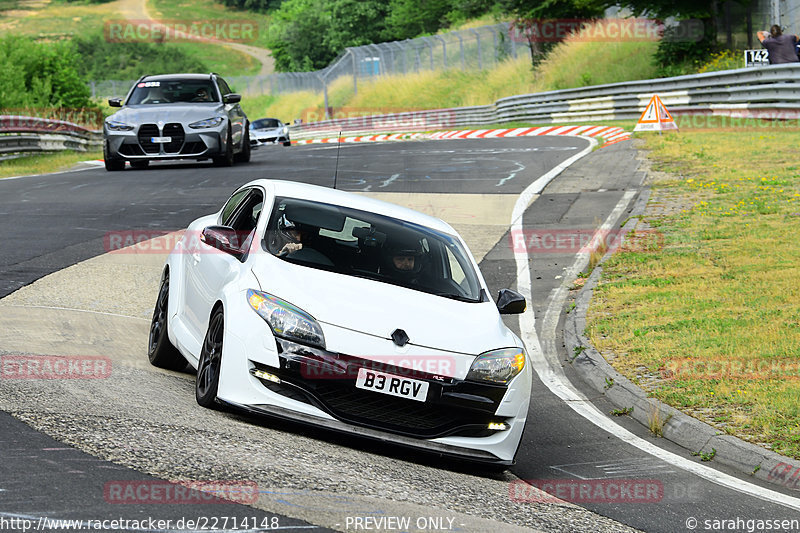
(171, 91)
(266, 123)
(363, 244)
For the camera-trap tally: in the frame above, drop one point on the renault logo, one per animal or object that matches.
(399, 337)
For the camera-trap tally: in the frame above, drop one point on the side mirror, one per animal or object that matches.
(115, 102)
(510, 302)
(222, 238)
(232, 98)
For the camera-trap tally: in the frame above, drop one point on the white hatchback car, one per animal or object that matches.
(345, 312)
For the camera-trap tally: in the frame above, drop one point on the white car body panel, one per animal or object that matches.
(357, 317)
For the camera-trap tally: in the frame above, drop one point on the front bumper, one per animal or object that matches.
(327, 381)
(318, 387)
(184, 142)
(263, 139)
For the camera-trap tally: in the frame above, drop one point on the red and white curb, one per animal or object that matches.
(366, 138)
(608, 134)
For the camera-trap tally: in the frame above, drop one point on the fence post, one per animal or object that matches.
(444, 49)
(478, 39)
(355, 71)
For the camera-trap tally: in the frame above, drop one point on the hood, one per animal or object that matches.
(183, 113)
(378, 309)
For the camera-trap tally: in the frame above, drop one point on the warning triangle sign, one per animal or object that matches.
(655, 117)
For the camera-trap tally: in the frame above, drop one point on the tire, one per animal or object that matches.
(140, 164)
(287, 143)
(160, 350)
(208, 369)
(226, 160)
(112, 165)
(244, 155)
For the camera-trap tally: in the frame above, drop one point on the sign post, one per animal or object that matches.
(655, 117)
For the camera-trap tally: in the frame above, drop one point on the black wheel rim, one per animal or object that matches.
(210, 357)
(159, 322)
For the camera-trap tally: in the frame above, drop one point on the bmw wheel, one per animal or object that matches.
(112, 165)
(208, 369)
(160, 350)
(244, 155)
(226, 160)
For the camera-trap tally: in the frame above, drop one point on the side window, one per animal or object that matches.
(456, 272)
(223, 87)
(230, 207)
(244, 218)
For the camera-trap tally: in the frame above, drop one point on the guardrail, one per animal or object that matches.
(771, 92)
(21, 135)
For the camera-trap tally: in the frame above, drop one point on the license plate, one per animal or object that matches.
(160, 140)
(412, 389)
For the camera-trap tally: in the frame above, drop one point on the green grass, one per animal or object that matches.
(45, 163)
(712, 309)
(59, 18)
(209, 10)
(221, 59)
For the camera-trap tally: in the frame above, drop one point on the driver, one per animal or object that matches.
(405, 262)
(294, 235)
(201, 95)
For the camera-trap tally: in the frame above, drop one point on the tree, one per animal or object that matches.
(410, 18)
(40, 74)
(527, 13)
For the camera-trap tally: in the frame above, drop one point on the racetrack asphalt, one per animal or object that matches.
(146, 418)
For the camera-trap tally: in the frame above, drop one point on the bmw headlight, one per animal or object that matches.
(207, 123)
(497, 366)
(285, 319)
(114, 125)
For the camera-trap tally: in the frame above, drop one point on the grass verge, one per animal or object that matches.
(45, 163)
(707, 316)
(572, 63)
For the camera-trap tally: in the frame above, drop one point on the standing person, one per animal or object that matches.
(782, 48)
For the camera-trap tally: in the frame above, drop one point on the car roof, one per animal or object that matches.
(352, 200)
(189, 76)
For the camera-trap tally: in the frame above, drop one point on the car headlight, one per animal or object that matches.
(207, 123)
(497, 366)
(285, 319)
(115, 125)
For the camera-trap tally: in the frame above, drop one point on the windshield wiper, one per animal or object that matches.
(457, 297)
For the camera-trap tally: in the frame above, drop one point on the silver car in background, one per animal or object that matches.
(176, 116)
(269, 131)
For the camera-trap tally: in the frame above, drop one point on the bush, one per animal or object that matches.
(40, 74)
(724, 60)
(676, 56)
(103, 60)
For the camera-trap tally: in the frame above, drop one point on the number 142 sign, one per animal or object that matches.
(756, 58)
